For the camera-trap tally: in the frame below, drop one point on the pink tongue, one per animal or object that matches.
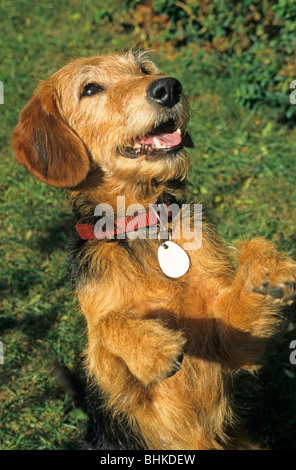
(169, 140)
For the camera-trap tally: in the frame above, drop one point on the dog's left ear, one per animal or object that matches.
(46, 145)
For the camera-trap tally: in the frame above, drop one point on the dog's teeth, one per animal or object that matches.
(157, 143)
(179, 131)
(137, 145)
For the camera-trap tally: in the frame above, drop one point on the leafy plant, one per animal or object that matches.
(250, 38)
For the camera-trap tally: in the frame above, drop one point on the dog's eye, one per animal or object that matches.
(144, 70)
(91, 89)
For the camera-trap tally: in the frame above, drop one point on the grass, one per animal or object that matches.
(243, 170)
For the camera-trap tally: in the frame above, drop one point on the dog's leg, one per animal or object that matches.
(162, 414)
(248, 309)
(130, 358)
(150, 351)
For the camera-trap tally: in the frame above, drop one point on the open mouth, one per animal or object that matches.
(162, 140)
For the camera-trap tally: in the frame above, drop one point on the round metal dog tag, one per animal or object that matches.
(173, 260)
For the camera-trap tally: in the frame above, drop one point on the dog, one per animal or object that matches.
(162, 345)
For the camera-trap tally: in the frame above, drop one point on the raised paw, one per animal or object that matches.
(159, 355)
(269, 272)
(284, 293)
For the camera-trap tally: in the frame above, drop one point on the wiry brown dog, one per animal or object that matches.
(90, 128)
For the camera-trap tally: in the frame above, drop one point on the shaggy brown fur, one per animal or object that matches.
(74, 134)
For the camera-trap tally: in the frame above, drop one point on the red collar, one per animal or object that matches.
(122, 225)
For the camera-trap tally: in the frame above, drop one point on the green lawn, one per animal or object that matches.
(243, 170)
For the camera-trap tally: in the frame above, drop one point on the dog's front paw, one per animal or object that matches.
(282, 292)
(269, 272)
(158, 356)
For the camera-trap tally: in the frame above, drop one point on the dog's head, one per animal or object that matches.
(117, 112)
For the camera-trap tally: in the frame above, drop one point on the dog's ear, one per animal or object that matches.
(46, 145)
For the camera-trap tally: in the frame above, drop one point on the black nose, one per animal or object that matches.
(165, 91)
